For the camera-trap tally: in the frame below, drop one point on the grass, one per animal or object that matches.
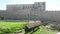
(9, 27)
(43, 30)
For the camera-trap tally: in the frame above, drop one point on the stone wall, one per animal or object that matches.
(24, 11)
(51, 15)
(3, 12)
(34, 11)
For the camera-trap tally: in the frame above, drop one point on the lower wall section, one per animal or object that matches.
(43, 15)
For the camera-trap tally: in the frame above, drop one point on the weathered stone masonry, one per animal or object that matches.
(34, 11)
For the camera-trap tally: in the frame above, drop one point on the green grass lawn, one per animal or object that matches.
(10, 27)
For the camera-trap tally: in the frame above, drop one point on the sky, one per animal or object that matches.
(50, 4)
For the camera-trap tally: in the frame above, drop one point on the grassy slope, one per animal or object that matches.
(43, 30)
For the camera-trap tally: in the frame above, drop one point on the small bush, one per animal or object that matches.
(55, 27)
(1, 18)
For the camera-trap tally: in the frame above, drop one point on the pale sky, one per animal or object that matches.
(50, 4)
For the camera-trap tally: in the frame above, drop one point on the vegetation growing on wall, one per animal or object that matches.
(1, 18)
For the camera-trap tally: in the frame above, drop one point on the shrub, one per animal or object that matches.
(1, 18)
(55, 27)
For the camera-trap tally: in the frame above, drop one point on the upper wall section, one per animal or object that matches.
(40, 6)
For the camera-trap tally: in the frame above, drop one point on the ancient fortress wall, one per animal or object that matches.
(24, 11)
(3, 12)
(34, 11)
(51, 15)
